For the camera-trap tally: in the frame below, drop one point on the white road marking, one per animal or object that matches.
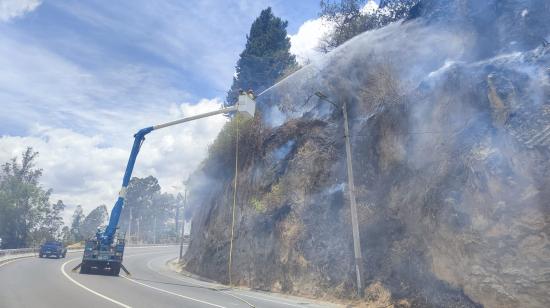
(158, 289)
(142, 254)
(197, 284)
(270, 300)
(8, 262)
(172, 293)
(143, 247)
(88, 289)
(240, 293)
(227, 292)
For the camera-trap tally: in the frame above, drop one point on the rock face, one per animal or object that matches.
(451, 152)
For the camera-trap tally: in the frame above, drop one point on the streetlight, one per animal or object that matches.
(351, 192)
(183, 224)
(177, 218)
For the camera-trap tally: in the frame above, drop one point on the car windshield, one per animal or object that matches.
(52, 243)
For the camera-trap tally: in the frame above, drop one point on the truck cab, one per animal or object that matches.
(52, 248)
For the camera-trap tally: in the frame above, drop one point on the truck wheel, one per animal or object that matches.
(40, 255)
(64, 254)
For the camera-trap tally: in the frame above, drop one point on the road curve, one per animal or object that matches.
(35, 282)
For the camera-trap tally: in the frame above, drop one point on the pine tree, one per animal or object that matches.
(265, 58)
(78, 219)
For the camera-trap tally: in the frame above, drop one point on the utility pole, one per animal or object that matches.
(130, 227)
(351, 193)
(177, 219)
(183, 224)
(353, 204)
(155, 230)
(137, 234)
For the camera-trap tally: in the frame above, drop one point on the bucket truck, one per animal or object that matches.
(103, 254)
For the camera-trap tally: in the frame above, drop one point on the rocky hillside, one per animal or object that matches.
(450, 128)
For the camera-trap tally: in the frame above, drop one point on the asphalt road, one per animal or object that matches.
(35, 282)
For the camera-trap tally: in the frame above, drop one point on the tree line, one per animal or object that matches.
(28, 217)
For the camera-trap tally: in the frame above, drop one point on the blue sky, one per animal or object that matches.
(78, 78)
(188, 47)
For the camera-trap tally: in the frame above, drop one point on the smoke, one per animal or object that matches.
(413, 47)
(450, 129)
(283, 151)
(465, 88)
(335, 188)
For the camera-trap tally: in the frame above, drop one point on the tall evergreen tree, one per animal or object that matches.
(265, 58)
(78, 219)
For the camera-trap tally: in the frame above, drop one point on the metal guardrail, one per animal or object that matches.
(9, 252)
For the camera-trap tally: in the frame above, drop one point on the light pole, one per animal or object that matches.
(155, 229)
(351, 193)
(130, 226)
(183, 224)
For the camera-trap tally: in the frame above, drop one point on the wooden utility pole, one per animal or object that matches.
(353, 205)
(351, 193)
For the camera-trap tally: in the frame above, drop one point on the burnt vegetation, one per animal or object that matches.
(450, 160)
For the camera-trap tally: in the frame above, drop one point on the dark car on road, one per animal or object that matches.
(52, 248)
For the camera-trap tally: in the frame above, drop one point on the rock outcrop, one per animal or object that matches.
(451, 154)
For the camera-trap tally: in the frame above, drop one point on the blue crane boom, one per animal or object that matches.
(101, 253)
(110, 230)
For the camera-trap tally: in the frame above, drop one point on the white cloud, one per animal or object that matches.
(369, 8)
(10, 9)
(82, 170)
(305, 42)
(82, 122)
(40, 87)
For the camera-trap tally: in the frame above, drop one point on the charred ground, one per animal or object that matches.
(450, 150)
